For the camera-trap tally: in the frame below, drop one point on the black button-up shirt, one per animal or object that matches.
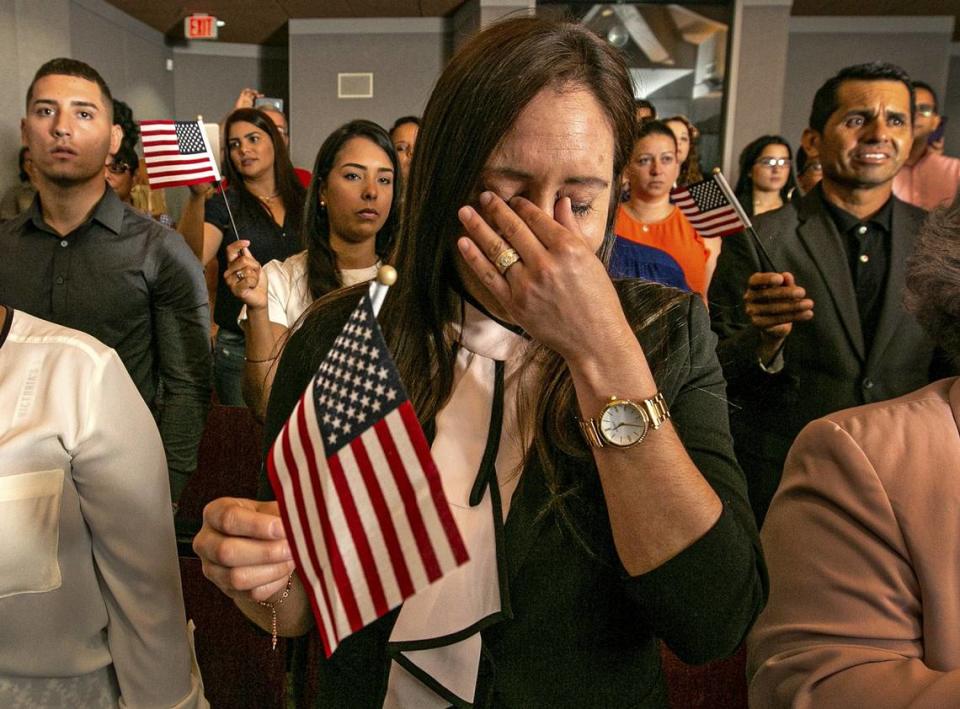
(867, 244)
(137, 287)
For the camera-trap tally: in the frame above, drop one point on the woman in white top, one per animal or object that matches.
(348, 230)
(90, 600)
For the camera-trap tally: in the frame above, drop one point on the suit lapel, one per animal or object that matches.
(892, 312)
(822, 240)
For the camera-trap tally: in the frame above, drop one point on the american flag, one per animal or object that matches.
(177, 153)
(358, 491)
(710, 209)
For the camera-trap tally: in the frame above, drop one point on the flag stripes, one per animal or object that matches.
(370, 525)
(177, 153)
(708, 207)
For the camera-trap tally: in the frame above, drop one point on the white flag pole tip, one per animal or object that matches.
(386, 277)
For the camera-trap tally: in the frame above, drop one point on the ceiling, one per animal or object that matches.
(264, 21)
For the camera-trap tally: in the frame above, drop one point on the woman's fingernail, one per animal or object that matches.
(485, 198)
(466, 213)
(463, 243)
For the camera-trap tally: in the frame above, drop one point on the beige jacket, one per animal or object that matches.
(863, 548)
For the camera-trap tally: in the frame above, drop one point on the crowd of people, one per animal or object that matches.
(676, 439)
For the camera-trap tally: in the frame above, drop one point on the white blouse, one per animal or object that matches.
(287, 293)
(471, 592)
(91, 612)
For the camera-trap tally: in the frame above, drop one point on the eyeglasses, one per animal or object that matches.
(774, 162)
(811, 167)
(118, 168)
(925, 110)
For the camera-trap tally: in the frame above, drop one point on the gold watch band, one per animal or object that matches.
(654, 409)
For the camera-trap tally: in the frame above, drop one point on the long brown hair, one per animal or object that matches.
(323, 275)
(288, 186)
(475, 102)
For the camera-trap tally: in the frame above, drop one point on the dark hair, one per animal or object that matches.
(933, 278)
(123, 117)
(323, 275)
(288, 185)
(748, 158)
(72, 67)
(690, 168)
(477, 99)
(800, 160)
(643, 103)
(128, 155)
(825, 102)
(21, 164)
(924, 85)
(403, 120)
(652, 126)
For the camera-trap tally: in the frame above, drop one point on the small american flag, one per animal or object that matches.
(710, 209)
(177, 153)
(359, 494)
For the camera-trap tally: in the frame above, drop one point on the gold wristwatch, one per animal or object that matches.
(623, 423)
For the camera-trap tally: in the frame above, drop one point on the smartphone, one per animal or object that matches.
(265, 102)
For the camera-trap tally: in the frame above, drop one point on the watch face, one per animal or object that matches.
(622, 424)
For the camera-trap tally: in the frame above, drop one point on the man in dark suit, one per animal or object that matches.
(823, 327)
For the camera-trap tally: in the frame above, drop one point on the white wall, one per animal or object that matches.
(405, 56)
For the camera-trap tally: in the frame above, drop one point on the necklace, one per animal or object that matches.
(265, 200)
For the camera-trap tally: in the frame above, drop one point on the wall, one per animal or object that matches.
(405, 56)
(31, 32)
(757, 71)
(208, 76)
(130, 55)
(820, 46)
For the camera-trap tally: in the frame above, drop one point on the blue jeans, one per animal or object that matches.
(228, 361)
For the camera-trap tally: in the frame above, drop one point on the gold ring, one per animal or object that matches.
(505, 259)
(240, 275)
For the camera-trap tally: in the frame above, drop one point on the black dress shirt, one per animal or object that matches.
(867, 243)
(136, 286)
(268, 242)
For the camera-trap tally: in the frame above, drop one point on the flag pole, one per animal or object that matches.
(218, 186)
(386, 277)
(765, 261)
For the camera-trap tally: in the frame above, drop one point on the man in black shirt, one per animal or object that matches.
(829, 331)
(81, 258)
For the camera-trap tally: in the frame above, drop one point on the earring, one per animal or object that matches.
(323, 206)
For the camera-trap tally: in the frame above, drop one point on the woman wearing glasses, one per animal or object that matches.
(766, 175)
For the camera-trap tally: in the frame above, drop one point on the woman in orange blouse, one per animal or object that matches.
(650, 218)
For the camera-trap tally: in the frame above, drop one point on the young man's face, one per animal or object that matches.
(68, 130)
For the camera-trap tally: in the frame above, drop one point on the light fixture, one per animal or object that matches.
(618, 36)
(221, 23)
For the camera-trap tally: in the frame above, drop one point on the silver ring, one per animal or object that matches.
(505, 259)
(240, 275)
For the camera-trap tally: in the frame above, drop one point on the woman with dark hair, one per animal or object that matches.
(688, 137)
(650, 219)
(404, 136)
(766, 175)
(266, 201)
(588, 541)
(863, 535)
(348, 230)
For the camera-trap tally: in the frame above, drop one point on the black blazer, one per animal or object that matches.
(827, 367)
(583, 632)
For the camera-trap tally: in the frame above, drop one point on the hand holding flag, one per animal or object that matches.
(713, 210)
(359, 493)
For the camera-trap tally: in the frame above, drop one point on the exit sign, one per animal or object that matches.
(200, 27)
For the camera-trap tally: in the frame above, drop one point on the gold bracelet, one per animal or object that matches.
(260, 361)
(273, 609)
